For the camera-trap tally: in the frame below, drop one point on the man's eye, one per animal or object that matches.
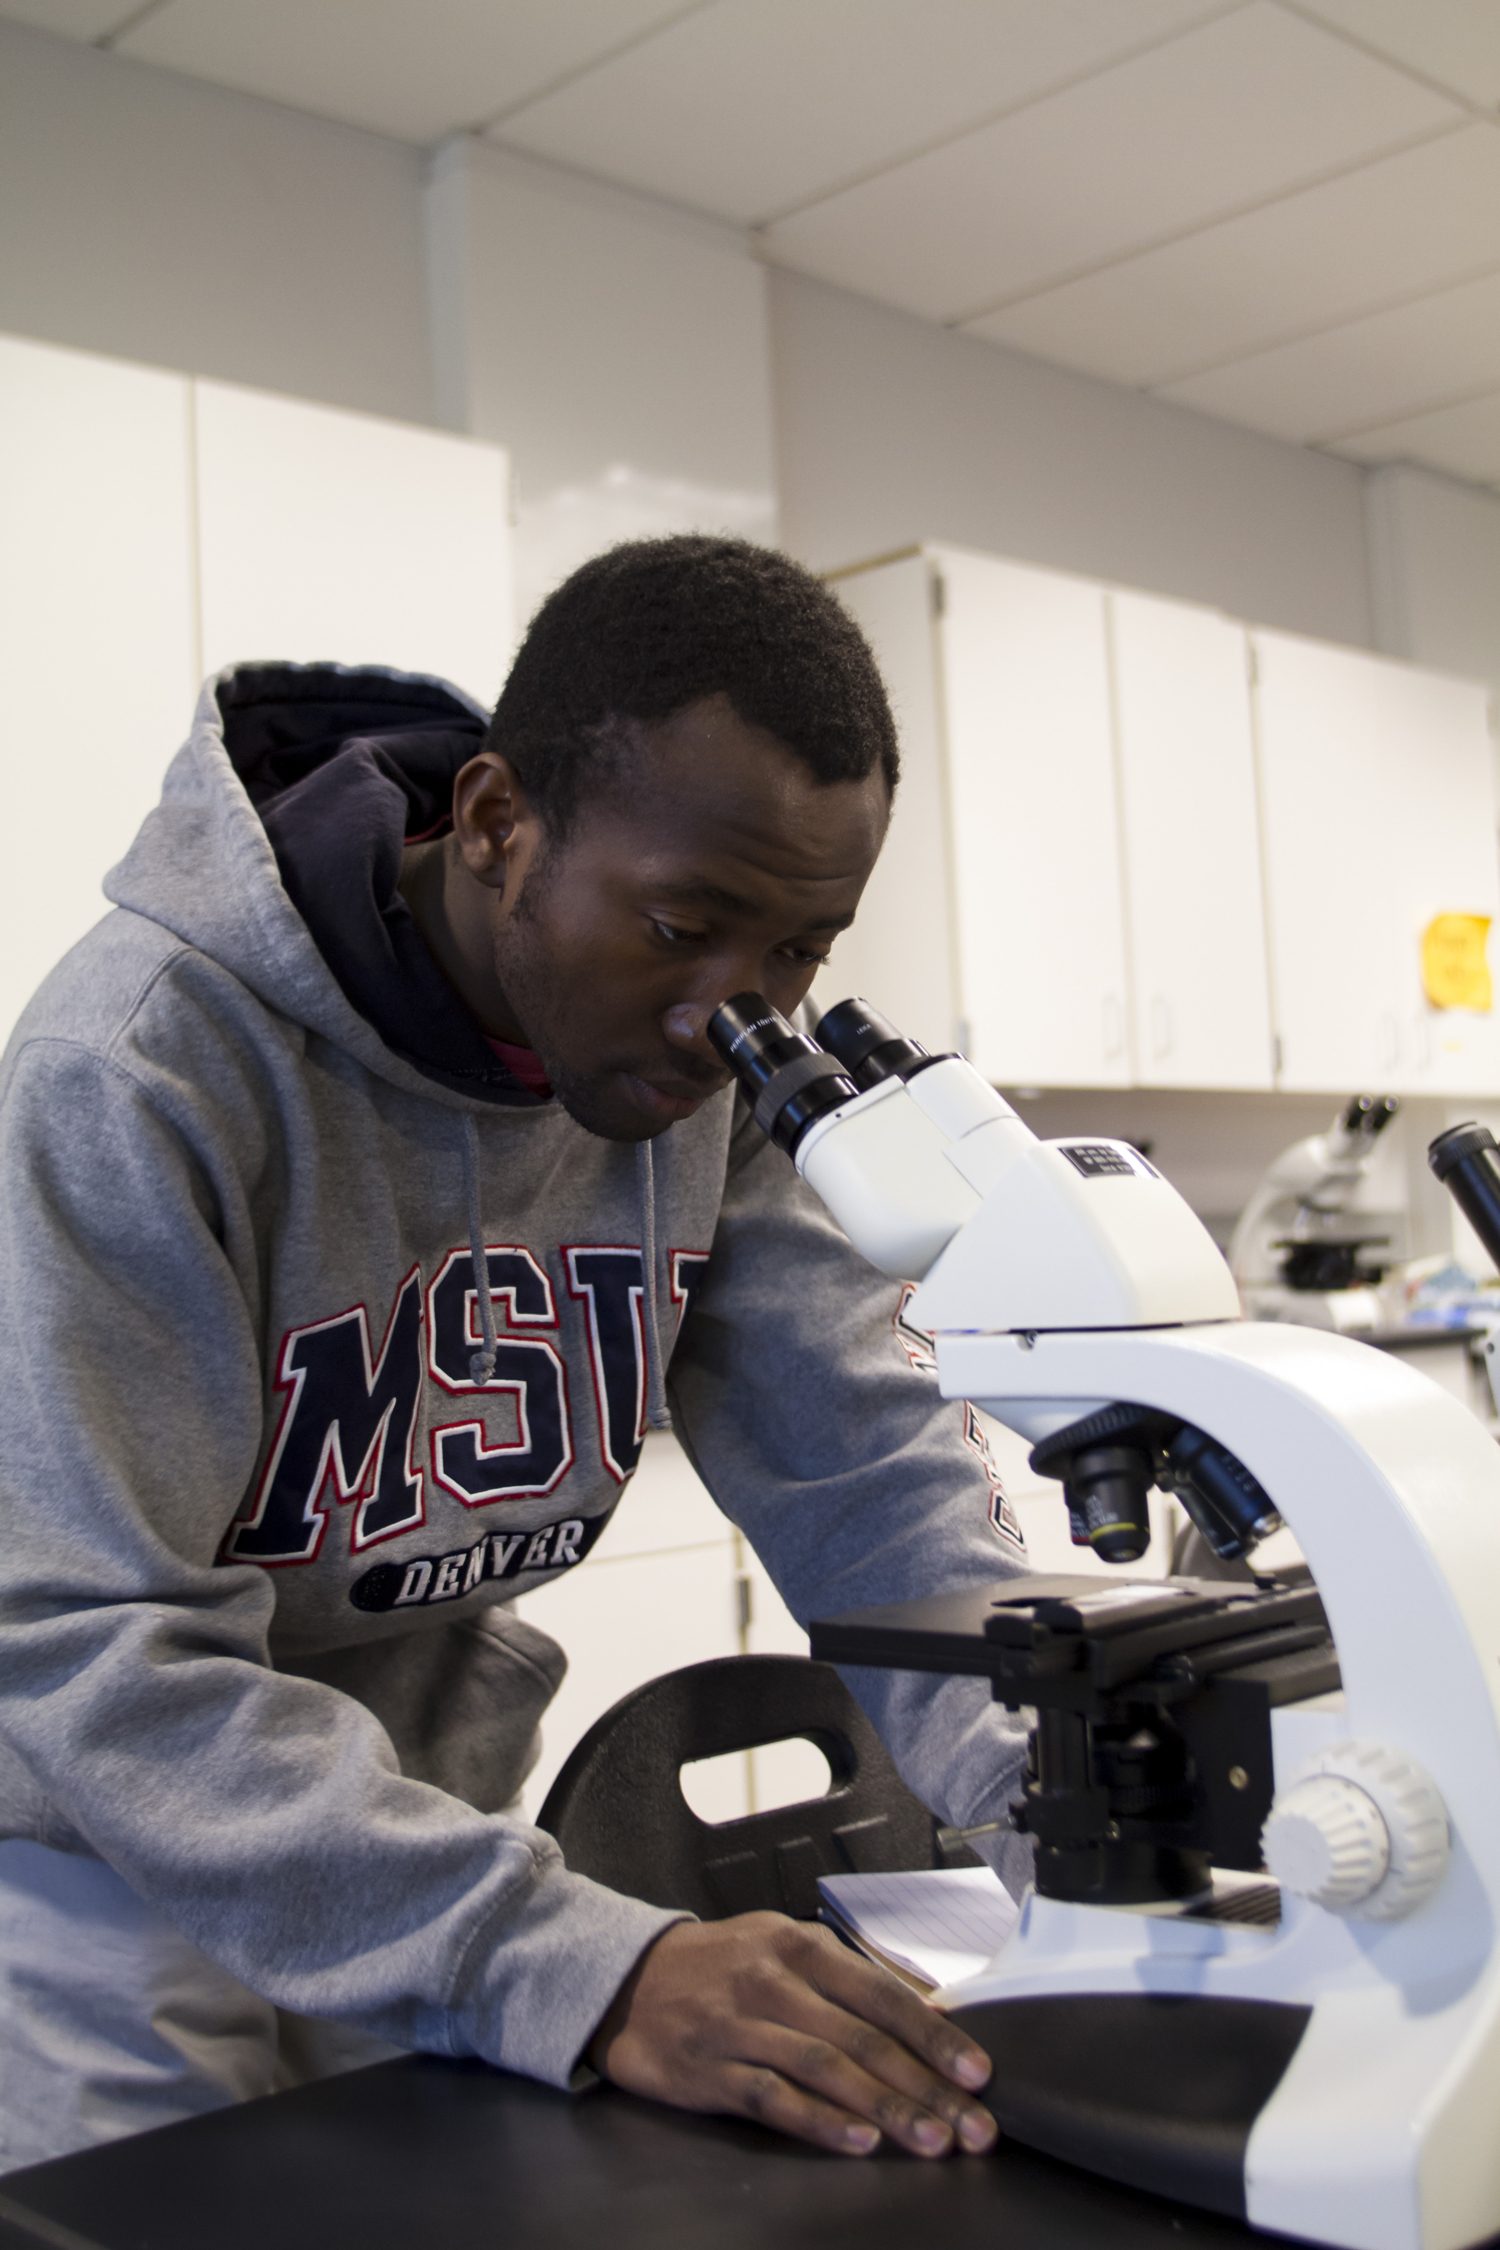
(671, 935)
(808, 956)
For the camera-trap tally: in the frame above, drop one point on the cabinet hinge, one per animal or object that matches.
(744, 1605)
(939, 594)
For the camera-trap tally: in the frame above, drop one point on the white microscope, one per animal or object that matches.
(1301, 1250)
(1258, 1970)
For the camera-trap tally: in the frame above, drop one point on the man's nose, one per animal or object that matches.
(686, 1026)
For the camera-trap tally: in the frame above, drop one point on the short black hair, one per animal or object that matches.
(652, 625)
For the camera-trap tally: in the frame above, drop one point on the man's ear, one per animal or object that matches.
(496, 827)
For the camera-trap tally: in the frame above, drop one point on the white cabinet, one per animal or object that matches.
(1139, 843)
(155, 528)
(1034, 823)
(1072, 886)
(660, 1590)
(901, 953)
(1379, 804)
(1191, 832)
(623, 1623)
(995, 919)
(96, 624)
(326, 535)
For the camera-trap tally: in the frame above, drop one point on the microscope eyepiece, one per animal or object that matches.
(868, 1044)
(1467, 1162)
(1369, 1114)
(786, 1077)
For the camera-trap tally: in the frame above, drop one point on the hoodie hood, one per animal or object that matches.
(276, 851)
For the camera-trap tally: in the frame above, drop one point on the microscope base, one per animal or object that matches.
(1277, 2074)
(1158, 2091)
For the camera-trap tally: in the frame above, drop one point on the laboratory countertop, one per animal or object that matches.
(1421, 1336)
(418, 2151)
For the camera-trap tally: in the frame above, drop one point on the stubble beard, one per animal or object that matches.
(536, 999)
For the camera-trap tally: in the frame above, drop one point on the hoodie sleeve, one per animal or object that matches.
(264, 1814)
(856, 1482)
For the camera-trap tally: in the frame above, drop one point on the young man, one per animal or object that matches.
(369, 1182)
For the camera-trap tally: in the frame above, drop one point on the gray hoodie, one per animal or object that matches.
(273, 1468)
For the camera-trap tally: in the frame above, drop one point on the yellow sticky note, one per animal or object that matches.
(1455, 962)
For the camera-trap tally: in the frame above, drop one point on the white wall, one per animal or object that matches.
(1435, 567)
(647, 373)
(156, 219)
(634, 359)
(891, 430)
(619, 344)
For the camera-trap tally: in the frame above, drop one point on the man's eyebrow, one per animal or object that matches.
(730, 902)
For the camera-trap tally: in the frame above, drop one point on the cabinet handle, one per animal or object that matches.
(1161, 1027)
(1114, 1026)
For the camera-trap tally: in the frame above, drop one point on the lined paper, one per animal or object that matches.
(935, 1924)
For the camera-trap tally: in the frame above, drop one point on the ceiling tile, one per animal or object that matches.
(1463, 440)
(416, 72)
(1456, 42)
(1384, 368)
(1238, 110)
(824, 91)
(1400, 227)
(71, 19)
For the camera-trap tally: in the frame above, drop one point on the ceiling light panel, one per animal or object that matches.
(415, 72)
(748, 108)
(1456, 42)
(1229, 115)
(71, 19)
(1385, 368)
(1402, 226)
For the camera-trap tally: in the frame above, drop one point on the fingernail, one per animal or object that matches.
(863, 2139)
(932, 2136)
(972, 2069)
(977, 2130)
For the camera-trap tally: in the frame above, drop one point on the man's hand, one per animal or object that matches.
(777, 2020)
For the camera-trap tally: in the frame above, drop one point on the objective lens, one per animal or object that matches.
(868, 1045)
(1231, 1508)
(785, 1075)
(1467, 1162)
(1107, 1489)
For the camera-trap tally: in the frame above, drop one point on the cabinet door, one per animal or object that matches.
(1444, 811)
(1201, 1012)
(900, 953)
(1033, 824)
(97, 610)
(331, 536)
(623, 1623)
(1379, 812)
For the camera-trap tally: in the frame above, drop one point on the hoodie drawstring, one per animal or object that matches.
(481, 1360)
(657, 1415)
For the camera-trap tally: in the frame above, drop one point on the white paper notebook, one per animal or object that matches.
(935, 1925)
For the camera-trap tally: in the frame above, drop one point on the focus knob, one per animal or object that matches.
(1362, 1830)
(1326, 1841)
